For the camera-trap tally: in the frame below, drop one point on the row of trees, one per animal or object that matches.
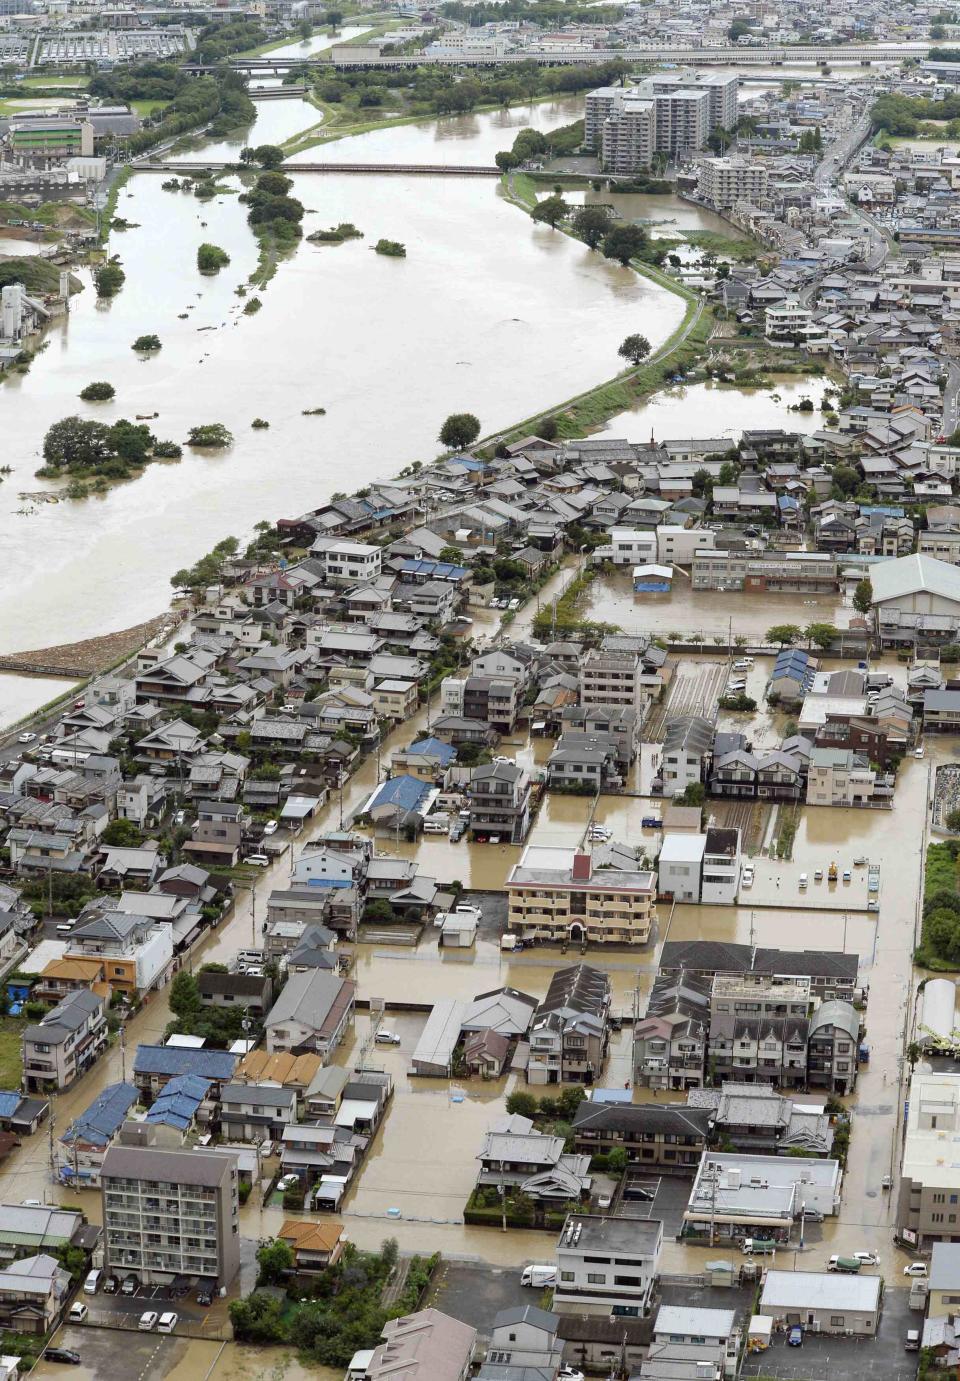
(79, 447)
(619, 240)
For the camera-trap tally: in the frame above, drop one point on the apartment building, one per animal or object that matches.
(670, 1138)
(831, 972)
(611, 678)
(839, 777)
(682, 120)
(607, 1266)
(720, 87)
(598, 107)
(686, 747)
(725, 181)
(69, 1039)
(494, 700)
(670, 1040)
(833, 1047)
(629, 136)
(554, 894)
(788, 572)
(169, 1213)
(499, 794)
(568, 1031)
(928, 1202)
(759, 1030)
(425, 1344)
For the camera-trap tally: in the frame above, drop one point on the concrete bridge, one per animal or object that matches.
(276, 93)
(727, 55)
(426, 169)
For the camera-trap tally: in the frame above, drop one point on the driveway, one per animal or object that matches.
(823, 1358)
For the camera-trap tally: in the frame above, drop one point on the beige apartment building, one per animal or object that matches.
(611, 678)
(725, 181)
(169, 1213)
(556, 894)
(928, 1207)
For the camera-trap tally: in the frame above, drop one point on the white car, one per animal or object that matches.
(803, 879)
(26, 737)
(866, 1258)
(916, 1268)
(78, 1312)
(287, 1181)
(257, 860)
(746, 877)
(168, 1323)
(387, 1038)
(270, 827)
(148, 1321)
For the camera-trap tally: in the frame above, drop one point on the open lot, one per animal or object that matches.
(474, 1294)
(105, 1353)
(694, 689)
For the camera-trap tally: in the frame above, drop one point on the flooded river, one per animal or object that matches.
(518, 314)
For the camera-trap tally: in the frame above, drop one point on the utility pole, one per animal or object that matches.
(123, 1054)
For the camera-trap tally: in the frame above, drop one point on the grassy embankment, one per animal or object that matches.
(939, 947)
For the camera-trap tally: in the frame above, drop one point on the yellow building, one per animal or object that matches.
(556, 894)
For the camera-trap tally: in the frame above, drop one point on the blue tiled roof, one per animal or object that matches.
(404, 791)
(9, 1102)
(178, 1059)
(104, 1116)
(176, 1105)
(436, 748)
(440, 570)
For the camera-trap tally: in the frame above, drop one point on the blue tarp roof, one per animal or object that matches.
(9, 1102)
(436, 748)
(102, 1119)
(403, 791)
(179, 1059)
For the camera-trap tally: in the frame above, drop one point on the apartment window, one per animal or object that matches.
(836, 1321)
(568, 1275)
(596, 1278)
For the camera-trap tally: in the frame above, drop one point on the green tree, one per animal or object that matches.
(590, 224)
(784, 634)
(459, 431)
(213, 435)
(821, 634)
(617, 1160)
(452, 554)
(184, 999)
(268, 155)
(625, 242)
(148, 342)
(73, 443)
(109, 279)
(863, 597)
(846, 479)
(99, 392)
(694, 794)
(941, 929)
(522, 1104)
(275, 1260)
(552, 210)
(634, 348)
(258, 1319)
(122, 834)
(952, 819)
(211, 258)
(379, 911)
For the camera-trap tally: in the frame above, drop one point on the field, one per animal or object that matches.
(11, 1066)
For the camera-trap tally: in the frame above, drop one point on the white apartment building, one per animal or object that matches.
(683, 121)
(676, 545)
(633, 546)
(680, 865)
(451, 695)
(720, 875)
(611, 678)
(725, 181)
(721, 89)
(629, 137)
(350, 562)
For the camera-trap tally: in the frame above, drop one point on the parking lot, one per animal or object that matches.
(106, 1353)
(474, 1294)
(823, 1358)
(669, 1195)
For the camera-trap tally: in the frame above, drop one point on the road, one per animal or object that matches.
(951, 400)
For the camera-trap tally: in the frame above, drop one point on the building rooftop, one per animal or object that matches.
(176, 1167)
(794, 1291)
(625, 1236)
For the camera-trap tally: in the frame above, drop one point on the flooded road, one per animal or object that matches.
(711, 409)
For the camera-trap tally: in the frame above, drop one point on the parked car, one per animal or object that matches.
(912, 1341)
(258, 860)
(847, 875)
(270, 827)
(287, 1181)
(803, 880)
(111, 1285)
(26, 737)
(205, 1297)
(148, 1321)
(813, 1215)
(387, 1038)
(167, 1323)
(62, 1354)
(866, 1258)
(916, 1268)
(795, 1336)
(78, 1312)
(129, 1286)
(746, 877)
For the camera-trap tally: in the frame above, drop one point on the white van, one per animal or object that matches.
(435, 826)
(92, 1283)
(168, 1323)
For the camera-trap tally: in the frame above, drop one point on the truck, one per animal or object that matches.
(758, 1246)
(540, 1277)
(832, 873)
(846, 1265)
(918, 1295)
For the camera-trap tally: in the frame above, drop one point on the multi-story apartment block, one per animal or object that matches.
(611, 679)
(759, 1030)
(721, 89)
(720, 875)
(670, 1041)
(568, 1031)
(725, 181)
(499, 795)
(928, 1205)
(69, 1039)
(683, 120)
(598, 107)
(169, 1213)
(831, 973)
(493, 700)
(607, 1266)
(629, 136)
(554, 894)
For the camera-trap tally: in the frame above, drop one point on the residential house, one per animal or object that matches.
(669, 1138)
(683, 760)
(607, 1266)
(66, 1042)
(34, 1291)
(249, 992)
(256, 1112)
(425, 1344)
(533, 1163)
(499, 795)
(312, 1013)
(316, 1246)
(84, 1144)
(834, 1038)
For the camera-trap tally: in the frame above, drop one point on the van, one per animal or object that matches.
(92, 1283)
(539, 1277)
(912, 1341)
(435, 826)
(167, 1323)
